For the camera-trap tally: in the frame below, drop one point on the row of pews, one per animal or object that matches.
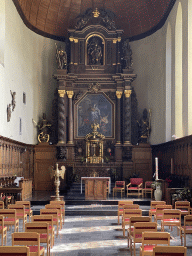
(14, 188)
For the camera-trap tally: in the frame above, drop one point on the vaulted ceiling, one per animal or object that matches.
(53, 18)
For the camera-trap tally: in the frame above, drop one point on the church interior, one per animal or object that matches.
(95, 109)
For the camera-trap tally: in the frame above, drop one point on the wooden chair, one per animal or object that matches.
(14, 250)
(30, 239)
(134, 188)
(184, 206)
(2, 205)
(62, 203)
(132, 221)
(3, 230)
(28, 209)
(148, 189)
(138, 229)
(47, 219)
(127, 214)
(119, 187)
(121, 204)
(55, 214)
(187, 228)
(59, 208)
(41, 228)
(170, 251)
(20, 212)
(152, 210)
(171, 218)
(151, 239)
(159, 211)
(10, 218)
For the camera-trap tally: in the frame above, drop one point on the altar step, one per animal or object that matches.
(76, 205)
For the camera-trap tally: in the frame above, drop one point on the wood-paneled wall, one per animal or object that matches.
(16, 158)
(180, 151)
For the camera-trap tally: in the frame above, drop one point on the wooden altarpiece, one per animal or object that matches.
(96, 89)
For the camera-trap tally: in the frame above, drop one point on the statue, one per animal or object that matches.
(144, 126)
(57, 173)
(94, 52)
(127, 54)
(13, 100)
(61, 58)
(44, 129)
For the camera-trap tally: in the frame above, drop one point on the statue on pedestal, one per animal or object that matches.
(44, 129)
(144, 126)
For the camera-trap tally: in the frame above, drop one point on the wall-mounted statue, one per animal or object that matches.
(61, 58)
(44, 129)
(94, 51)
(144, 127)
(127, 54)
(13, 102)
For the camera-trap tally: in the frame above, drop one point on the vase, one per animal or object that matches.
(158, 194)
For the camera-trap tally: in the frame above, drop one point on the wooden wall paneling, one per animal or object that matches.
(44, 159)
(181, 152)
(142, 160)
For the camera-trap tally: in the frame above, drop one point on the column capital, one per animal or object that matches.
(61, 93)
(127, 93)
(119, 94)
(70, 94)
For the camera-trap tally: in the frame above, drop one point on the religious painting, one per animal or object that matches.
(94, 108)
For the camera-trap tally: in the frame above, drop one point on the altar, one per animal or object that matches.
(96, 187)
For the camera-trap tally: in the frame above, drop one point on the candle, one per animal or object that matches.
(171, 165)
(156, 168)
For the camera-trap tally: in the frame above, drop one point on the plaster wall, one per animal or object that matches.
(29, 62)
(149, 63)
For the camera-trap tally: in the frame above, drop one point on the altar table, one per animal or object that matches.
(96, 187)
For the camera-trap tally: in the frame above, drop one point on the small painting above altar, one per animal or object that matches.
(94, 108)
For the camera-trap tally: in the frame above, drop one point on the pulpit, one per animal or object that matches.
(95, 187)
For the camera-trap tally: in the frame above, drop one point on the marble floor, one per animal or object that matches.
(93, 235)
(96, 235)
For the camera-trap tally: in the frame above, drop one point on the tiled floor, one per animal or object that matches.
(96, 235)
(85, 235)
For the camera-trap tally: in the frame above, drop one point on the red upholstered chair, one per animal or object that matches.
(14, 250)
(187, 228)
(148, 189)
(134, 188)
(170, 251)
(119, 187)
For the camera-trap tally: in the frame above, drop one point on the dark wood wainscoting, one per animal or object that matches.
(16, 158)
(180, 151)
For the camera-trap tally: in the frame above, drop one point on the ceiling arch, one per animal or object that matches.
(53, 18)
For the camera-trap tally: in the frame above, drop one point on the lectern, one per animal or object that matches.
(96, 187)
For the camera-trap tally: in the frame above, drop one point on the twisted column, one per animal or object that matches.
(118, 117)
(127, 117)
(61, 117)
(70, 131)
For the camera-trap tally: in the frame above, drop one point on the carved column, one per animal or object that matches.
(127, 117)
(70, 131)
(61, 118)
(118, 55)
(118, 122)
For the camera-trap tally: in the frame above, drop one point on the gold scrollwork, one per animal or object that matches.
(119, 94)
(61, 93)
(127, 93)
(75, 40)
(70, 94)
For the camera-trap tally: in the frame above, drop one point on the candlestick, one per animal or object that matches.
(156, 168)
